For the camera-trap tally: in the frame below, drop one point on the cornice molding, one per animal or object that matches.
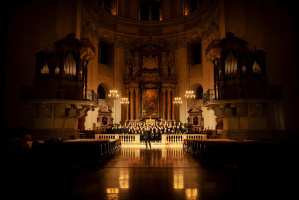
(197, 27)
(103, 26)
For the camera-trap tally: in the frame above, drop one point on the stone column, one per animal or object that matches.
(136, 104)
(168, 104)
(173, 113)
(131, 104)
(164, 104)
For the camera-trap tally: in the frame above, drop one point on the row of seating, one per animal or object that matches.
(257, 158)
(84, 151)
(220, 150)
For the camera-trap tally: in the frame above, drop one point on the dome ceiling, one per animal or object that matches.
(174, 20)
(151, 10)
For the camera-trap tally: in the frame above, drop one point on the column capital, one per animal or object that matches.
(169, 89)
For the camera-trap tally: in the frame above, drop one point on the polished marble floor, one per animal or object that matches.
(162, 172)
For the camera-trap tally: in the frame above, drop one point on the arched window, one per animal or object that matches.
(103, 53)
(199, 92)
(150, 11)
(197, 53)
(101, 92)
(109, 5)
(192, 5)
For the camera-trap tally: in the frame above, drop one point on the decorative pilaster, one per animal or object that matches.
(127, 107)
(131, 104)
(164, 104)
(136, 104)
(168, 104)
(173, 113)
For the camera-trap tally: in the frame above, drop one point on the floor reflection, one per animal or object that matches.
(168, 171)
(157, 173)
(124, 178)
(112, 193)
(191, 194)
(158, 157)
(178, 179)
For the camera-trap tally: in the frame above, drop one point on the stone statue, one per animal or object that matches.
(130, 68)
(170, 69)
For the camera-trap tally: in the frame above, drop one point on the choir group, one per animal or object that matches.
(140, 128)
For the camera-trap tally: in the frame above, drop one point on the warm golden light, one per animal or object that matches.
(112, 193)
(45, 69)
(124, 101)
(256, 68)
(189, 95)
(113, 11)
(124, 178)
(112, 190)
(178, 179)
(177, 101)
(70, 65)
(57, 70)
(113, 94)
(191, 194)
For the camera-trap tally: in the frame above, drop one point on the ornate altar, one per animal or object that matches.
(104, 118)
(195, 119)
(150, 81)
(150, 103)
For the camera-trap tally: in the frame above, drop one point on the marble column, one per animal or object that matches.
(164, 104)
(131, 104)
(136, 104)
(168, 104)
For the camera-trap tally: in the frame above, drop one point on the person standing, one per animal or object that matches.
(147, 136)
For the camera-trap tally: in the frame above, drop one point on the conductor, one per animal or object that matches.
(147, 136)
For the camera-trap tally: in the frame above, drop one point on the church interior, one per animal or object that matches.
(209, 85)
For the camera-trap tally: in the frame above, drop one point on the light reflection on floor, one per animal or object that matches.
(157, 173)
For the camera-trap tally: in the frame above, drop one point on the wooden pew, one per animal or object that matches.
(219, 150)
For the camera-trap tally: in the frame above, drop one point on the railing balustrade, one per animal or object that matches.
(165, 138)
(179, 138)
(58, 92)
(249, 92)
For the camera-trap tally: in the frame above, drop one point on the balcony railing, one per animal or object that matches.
(246, 92)
(208, 96)
(92, 96)
(212, 45)
(58, 92)
(86, 43)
